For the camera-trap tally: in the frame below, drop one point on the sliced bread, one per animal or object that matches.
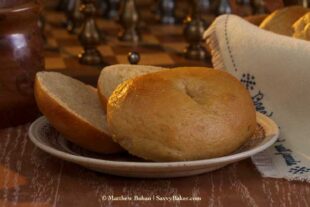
(74, 109)
(111, 76)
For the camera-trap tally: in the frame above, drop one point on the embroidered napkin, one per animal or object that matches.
(276, 71)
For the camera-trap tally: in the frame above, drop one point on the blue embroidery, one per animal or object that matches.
(257, 100)
(290, 160)
(299, 170)
(286, 154)
(248, 80)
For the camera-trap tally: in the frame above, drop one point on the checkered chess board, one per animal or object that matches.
(161, 45)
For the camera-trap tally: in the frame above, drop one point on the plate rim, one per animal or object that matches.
(218, 160)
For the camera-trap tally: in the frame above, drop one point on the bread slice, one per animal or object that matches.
(74, 109)
(111, 76)
(187, 113)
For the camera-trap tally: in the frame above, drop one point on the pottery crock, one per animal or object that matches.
(21, 56)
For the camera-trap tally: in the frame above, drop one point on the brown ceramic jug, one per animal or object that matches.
(21, 56)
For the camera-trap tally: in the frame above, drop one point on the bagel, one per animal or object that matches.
(111, 76)
(281, 21)
(302, 27)
(181, 114)
(74, 110)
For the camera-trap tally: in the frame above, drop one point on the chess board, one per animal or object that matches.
(161, 45)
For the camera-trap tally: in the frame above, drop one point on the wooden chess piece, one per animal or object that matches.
(203, 6)
(74, 17)
(305, 3)
(90, 36)
(224, 7)
(66, 7)
(133, 58)
(129, 20)
(259, 6)
(113, 9)
(167, 11)
(193, 32)
(41, 24)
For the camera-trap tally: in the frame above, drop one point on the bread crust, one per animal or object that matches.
(302, 27)
(181, 114)
(281, 21)
(102, 99)
(72, 127)
(110, 72)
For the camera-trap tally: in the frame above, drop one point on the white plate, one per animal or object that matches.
(44, 136)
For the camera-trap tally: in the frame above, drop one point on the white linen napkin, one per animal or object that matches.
(276, 71)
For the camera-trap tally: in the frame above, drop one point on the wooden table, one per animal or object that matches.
(30, 177)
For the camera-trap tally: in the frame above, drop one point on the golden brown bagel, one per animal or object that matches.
(74, 109)
(302, 27)
(181, 114)
(281, 21)
(111, 76)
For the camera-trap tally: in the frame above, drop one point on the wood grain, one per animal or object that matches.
(30, 177)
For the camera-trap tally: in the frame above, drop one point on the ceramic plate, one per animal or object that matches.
(44, 136)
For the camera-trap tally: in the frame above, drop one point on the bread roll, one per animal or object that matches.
(74, 109)
(111, 76)
(281, 21)
(302, 27)
(181, 114)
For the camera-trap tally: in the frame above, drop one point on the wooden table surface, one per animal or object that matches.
(30, 177)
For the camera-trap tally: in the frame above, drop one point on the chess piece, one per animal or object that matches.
(246, 7)
(193, 32)
(224, 7)
(66, 7)
(259, 6)
(113, 9)
(203, 6)
(41, 24)
(133, 58)
(74, 16)
(90, 36)
(167, 11)
(305, 3)
(129, 20)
